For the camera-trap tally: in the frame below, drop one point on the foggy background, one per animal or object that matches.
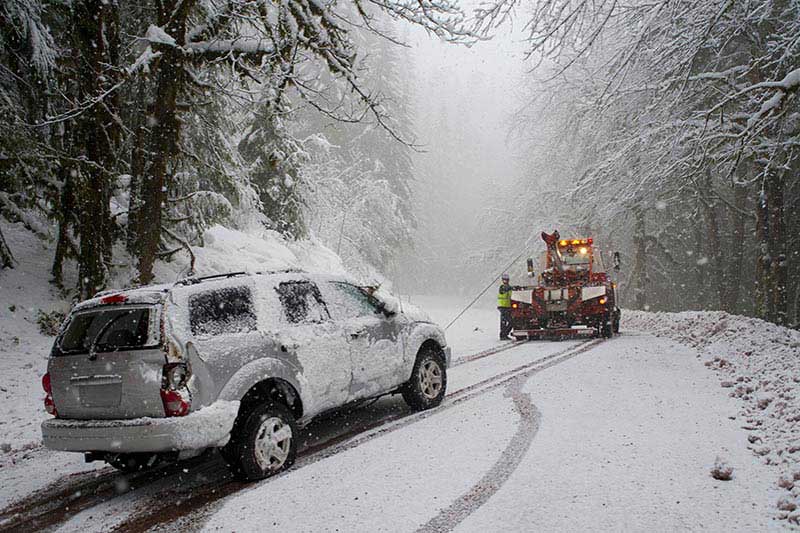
(464, 100)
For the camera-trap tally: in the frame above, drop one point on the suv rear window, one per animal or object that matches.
(302, 302)
(225, 310)
(108, 330)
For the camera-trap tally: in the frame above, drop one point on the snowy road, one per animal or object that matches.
(575, 435)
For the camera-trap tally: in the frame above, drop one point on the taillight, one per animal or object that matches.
(49, 405)
(174, 403)
(175, 394)
(114, 299)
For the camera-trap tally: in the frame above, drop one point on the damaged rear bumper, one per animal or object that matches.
(206, 428)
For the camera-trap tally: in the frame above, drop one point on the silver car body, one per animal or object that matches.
(342, 351)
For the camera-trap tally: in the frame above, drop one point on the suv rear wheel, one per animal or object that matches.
(264, 444)
(428, 383)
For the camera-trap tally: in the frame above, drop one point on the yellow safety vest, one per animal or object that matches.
(504, 298)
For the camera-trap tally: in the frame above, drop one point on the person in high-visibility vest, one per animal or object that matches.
(504, 306)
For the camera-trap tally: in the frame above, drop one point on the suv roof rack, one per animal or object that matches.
(200, 279)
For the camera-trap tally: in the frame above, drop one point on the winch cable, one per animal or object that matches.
(525, 248)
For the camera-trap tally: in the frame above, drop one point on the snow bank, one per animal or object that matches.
(25, 291)
(759, 363)
(230, 250)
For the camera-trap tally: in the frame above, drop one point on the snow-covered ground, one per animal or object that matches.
(599, 435)
(621, 437)
(759, 364)
(476, 330)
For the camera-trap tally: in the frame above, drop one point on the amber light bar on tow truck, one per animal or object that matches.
(568, 242)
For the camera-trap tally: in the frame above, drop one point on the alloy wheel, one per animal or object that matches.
(273, 443)
(430, 379)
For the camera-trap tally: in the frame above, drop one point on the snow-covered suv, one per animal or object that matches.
(238, 361)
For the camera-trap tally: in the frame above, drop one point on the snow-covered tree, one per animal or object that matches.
(690, 129)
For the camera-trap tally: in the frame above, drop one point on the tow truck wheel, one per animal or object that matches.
(616, 322)
(607, 328)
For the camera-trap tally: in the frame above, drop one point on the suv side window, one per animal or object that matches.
(225, 310)
(302, 302)
(348, 301)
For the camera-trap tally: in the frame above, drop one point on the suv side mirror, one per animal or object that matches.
(380, 308)
(616, 261)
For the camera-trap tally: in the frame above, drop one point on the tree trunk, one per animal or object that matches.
(6, 258)
(713, 263)
(762, 256)
(162, 145)
(639, 271)
(777, 297)
(138, 160)
(66, 209)
(97, 36)
(734, 277)
(697, 296)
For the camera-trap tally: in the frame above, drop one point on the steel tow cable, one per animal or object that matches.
(489, 285)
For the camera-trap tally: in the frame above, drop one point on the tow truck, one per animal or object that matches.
(574, 295)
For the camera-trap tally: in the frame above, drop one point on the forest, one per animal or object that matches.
(130, 127)
(679, 138)
(667, 129)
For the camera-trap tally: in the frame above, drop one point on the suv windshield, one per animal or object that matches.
(108, 329)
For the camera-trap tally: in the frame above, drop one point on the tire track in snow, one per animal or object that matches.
(204, 502)
(485, 353)
(56, 504)
(509, 460)
(45, 508)
(449, 517)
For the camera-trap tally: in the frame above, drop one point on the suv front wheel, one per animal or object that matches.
(264, 444)
(428, 383)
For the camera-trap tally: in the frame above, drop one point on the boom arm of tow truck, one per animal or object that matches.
(553, 255)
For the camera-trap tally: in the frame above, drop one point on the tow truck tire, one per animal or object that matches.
(428, 383)
(606, 327)
(616, 322)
